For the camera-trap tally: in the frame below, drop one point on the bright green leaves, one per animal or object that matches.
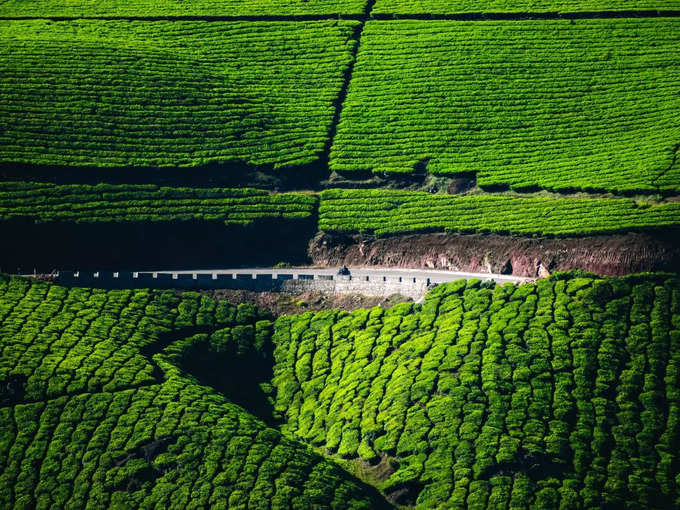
(44, 202)
(98, 411)
(557, 393)
(170, 94)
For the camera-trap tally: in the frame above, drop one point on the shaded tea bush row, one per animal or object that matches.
(389, 212)
(559, 394)
(155, 440)
(147, 8)
(560, 105)
(169, 94)
(45, 202)
(519, 6)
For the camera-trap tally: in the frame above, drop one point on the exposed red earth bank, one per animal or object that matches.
(490, 253)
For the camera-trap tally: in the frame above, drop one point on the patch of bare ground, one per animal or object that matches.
(491, 253)
(286, 304)
(378, 472)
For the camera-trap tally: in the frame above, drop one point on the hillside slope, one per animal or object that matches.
(559, 394)
(94, 411)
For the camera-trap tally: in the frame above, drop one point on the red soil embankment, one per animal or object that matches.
(491, 253)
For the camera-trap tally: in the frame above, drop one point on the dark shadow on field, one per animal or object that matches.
(238, 376)
(232, 174)
(140, 246)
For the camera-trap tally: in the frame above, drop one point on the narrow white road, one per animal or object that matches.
(420, 274)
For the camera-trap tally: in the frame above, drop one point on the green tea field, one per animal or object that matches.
(560, 394)
(312, 254)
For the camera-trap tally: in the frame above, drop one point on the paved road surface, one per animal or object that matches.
(421, 274)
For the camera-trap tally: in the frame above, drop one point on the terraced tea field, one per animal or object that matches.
(559, 105)
(379, 212)
(558, 393)
(266, 134)
(385, 212)
(81, 203)
(562, 394)
(98, 420)
(140, 94)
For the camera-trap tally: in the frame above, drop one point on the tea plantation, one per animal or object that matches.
(379, 212)
(82, 203)
(140, 135)
(555, 104)
(158, 94)
(559, 394)
(520, 6)
(176, 8)
(563, 393)
(91, 418)
(388, 212)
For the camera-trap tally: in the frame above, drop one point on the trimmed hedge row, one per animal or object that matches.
(389, 212)
(148, 8)
(559, 394)
(555, 104)
(96, 428)
(45, 202)
(519, 6)
(169, 93)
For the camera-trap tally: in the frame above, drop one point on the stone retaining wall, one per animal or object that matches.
(289, 282)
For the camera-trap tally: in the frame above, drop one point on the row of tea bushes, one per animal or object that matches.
(560, 394)
(380, 212)
(176, 8)
(439, 7)
(45, 202)
(237, 8)
(172, 445)
(96, 428)
(63, 341)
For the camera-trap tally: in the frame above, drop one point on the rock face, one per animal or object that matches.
(491, 253)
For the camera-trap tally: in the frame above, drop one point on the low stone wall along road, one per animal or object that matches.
(412, 283)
